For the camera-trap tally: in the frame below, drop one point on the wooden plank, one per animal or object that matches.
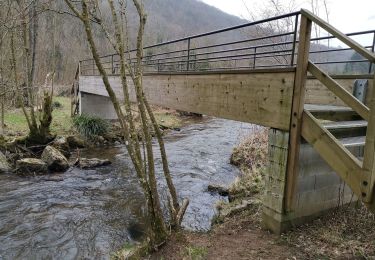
(346, 165)
(368, 180)
(297, 111)
(339, 35)
(339, 91)
(259, 98)
(345, 124)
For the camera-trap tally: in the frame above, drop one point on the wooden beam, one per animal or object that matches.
(339, 91)
(339, 35)
(297, 111)
(263, 98)
(341, 160)
(368, 176)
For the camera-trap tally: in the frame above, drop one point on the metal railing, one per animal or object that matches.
(258, 45)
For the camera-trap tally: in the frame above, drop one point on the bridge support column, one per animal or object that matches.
(318, 190)
(275, 182)
(96, 105)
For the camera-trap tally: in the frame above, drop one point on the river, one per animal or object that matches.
(91, 213)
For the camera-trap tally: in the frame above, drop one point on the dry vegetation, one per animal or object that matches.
(251, 157)
(345, 233)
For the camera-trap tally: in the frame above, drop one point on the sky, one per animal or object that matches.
(346, 15)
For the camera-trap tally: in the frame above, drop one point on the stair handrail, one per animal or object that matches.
(339, 35)
(339, 91)
(367, 180)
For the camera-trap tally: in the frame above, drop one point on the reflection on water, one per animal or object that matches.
(91, 213)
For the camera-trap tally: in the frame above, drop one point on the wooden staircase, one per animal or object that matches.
(331, 129)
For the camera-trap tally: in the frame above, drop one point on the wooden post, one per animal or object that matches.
(368, 173)
(297, 112)
(255, 55)
(188, 56)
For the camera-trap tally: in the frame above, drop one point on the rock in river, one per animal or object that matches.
(62, 145)
(31, 165)
(221, 190)
(4, 165)
(85, 163)
(75, 142)
(54, 159)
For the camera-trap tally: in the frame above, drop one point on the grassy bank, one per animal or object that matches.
(62, 122)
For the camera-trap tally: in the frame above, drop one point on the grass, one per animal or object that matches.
(195, 253)
(89, 126)
(61, 123)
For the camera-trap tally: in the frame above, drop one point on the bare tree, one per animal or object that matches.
(116, 32)
(24, 34)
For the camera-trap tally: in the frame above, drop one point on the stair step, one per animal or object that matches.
(313, 108)
(346, 124)
(343, 129)
(353, 141)
(333, 113)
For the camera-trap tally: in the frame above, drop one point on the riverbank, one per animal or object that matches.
(68, 134)
(62, 122)
(345, 233)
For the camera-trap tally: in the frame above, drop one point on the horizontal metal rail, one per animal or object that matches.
(265, 48)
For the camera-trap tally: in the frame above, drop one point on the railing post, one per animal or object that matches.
(188, 56)
(294, 40)
(113, 67)
(297, 112)
(254, 58)
(373, 50)
(368, 166)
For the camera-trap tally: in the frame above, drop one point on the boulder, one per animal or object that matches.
(62, 145)
(221, 190)
(4, 165)
(54, 159)
(31, 165)
(75, 142)
(85, 163)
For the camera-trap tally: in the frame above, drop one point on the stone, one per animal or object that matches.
(117, 143)
(219, 189)
(31, 166)
(54, 159)
(4, 165)
(62, 145)
(75, 142)
(85, 163)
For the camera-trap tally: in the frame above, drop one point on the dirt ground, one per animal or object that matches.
(346, 233)
(239, 237)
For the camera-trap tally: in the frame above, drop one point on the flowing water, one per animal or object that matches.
(91, 213)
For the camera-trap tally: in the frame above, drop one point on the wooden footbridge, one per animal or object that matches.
(304, 90)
